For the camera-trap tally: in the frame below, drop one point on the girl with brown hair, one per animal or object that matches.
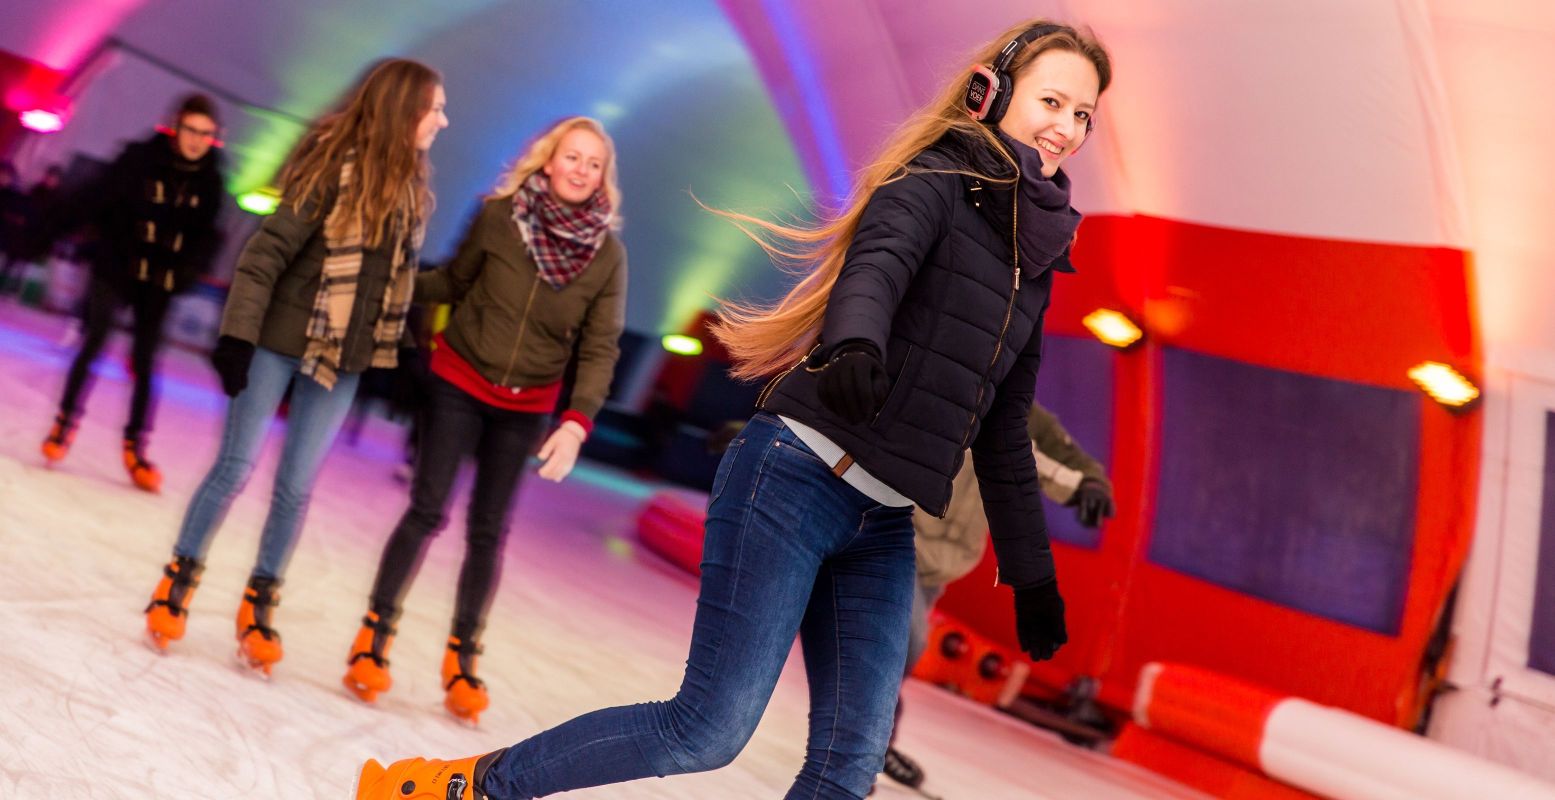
(915, 336)
(540, 271)
(318, 296)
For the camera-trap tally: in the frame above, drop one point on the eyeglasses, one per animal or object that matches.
(203, 133)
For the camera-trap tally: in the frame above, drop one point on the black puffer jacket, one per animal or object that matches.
(931, 279)
(155, 213)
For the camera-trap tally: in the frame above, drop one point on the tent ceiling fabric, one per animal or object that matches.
(672, 82)
(1332, 119)
(1390, 121)
(1219, 114)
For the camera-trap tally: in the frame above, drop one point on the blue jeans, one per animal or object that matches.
(313, 419)
(923, 599)
(788, 548)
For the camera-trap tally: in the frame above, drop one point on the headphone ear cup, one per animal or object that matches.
(1001, 99)
(982, 89)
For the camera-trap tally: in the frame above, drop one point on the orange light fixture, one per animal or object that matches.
(1112, 327)
(1444, 384)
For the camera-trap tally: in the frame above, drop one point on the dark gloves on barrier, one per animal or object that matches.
(231, 359)
(1092, 503)
(1039, 620)
(853, 383)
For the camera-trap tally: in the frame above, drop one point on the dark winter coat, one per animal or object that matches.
(155, 214)
(513, 327)
(277, 280)
(950, 547)
(933, 278)
(14, 211)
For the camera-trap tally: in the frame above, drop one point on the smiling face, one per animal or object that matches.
(432, 121)
(1052, 100)
(577, 168)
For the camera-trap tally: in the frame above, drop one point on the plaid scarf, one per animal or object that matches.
(337, 286)
(563, 239)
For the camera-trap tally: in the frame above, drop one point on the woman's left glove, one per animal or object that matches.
(560, 451)
(1039, 620)
(853, 384)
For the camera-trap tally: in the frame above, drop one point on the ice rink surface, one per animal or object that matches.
(585, 618)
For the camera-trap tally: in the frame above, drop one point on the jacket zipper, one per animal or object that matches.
(523, 324)
(1009, 310)
(766, 391)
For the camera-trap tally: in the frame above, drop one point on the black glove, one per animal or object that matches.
(853, 383)
(1092, 503)
(231, 359)
(1039, 620)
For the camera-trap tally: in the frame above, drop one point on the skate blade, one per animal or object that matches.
(157, 644)
(371, 772)
(466, 719)
(257, 669)
(360, 692)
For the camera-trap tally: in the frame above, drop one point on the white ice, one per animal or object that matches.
(585, 618)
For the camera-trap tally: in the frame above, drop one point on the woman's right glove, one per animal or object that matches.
(231, 359)
(1039, 620)
(853, 384)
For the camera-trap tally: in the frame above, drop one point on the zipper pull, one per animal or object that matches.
(1017, 279)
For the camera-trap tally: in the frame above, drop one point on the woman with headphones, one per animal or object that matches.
(915, 335)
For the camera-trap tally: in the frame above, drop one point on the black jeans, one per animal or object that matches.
(8, 265)
(103, 300)
(455, 425)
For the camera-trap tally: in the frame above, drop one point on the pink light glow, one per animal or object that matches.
(69, 29)
(41, 121)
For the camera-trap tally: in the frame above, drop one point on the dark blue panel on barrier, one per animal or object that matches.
(1075, 383)
(1292, 488)
(1541, 643)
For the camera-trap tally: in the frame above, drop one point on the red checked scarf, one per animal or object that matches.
(563, 239)
(338, 287)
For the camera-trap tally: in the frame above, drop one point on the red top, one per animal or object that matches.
(447, 364)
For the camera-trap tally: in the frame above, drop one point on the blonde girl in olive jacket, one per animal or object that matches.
(539, 271)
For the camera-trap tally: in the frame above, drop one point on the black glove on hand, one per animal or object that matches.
(231, 359)
(853, 383)
(1039, 620)
(1092, 503)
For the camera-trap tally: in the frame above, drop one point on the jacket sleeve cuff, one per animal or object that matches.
(578, 417)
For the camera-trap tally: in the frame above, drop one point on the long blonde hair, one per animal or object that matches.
(765, 339)
(544, 147)
(377, 120)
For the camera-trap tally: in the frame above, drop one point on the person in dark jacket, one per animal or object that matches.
(319, 295)
(949, 547)
(39, 217)
(13, 223)
(539, 271)
(915, 336)
(154, 212)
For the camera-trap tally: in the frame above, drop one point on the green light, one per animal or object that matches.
(260, 201)
(682, 345)
(618, 548)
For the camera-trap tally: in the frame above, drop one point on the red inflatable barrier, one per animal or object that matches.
(966, 662)
(671, 526)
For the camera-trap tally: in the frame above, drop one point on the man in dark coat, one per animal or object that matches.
(154, 212)
(13, 220)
